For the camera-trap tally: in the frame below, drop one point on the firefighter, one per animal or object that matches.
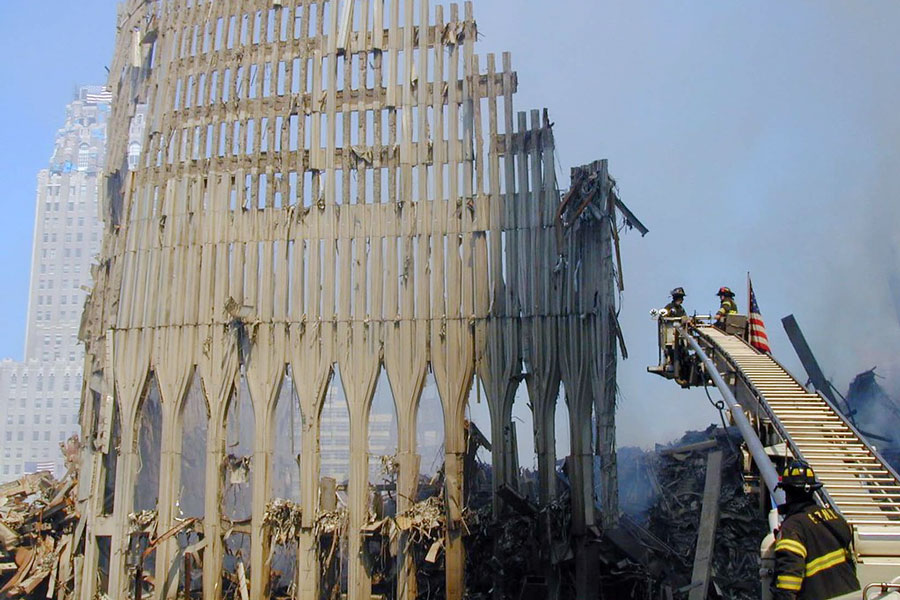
(727, 306)
(813, 560)
(675, 308)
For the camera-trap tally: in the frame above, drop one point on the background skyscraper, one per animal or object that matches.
(40, 396)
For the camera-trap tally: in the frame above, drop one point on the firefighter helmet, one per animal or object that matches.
(798, 475)
(679, 291)
(725, 291)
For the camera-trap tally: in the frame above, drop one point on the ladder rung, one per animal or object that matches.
(861, 522)
(856, 455)
(834, 467)
(831, 478)
(823, 442)
(874, 496)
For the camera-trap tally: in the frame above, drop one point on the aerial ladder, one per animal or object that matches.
(780, 419)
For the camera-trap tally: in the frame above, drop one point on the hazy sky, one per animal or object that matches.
(761, 137)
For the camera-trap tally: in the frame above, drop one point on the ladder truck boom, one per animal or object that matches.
(779, 419)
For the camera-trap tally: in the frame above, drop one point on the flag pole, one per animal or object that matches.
(748, 293)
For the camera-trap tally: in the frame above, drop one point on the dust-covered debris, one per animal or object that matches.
(238, 469)
(284, 520)
(676, 515)
(38, 533)
(142, 522)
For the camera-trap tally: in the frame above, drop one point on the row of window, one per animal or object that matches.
(67, 253)
(51, 379)
(48, 300)
(48, 284)
(76, 268)
(23, 403)
(36, 436)
(48, 420)
(57, 356)
(58, 342)
(79, 237)
(62, 315)
(52, 223)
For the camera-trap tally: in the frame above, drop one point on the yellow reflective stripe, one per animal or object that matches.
(791, 546)
(825, 562)
(789, 582)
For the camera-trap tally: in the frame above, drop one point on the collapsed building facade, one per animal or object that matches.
(326, 187)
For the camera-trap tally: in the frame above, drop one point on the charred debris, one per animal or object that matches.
(525, 553)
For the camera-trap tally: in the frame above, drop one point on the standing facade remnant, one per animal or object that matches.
(328, 187)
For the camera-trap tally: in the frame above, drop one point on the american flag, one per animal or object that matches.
(757, 329)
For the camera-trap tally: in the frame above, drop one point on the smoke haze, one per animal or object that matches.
(757, 137)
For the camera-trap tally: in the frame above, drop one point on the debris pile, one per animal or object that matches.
(424, 521)
(875, 414)
(675, 518)
(283, 519)
(37, 536)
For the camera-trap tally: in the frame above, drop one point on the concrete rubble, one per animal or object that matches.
(675, 517)
(38, 533)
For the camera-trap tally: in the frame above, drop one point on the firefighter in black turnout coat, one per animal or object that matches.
(813, 560)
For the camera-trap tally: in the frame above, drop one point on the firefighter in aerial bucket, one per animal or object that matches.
(675, 308)
(813, 560)
(727, 306)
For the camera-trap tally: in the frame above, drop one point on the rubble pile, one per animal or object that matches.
(675, 518)
(283, 519)
(876, 414)
(501, 553)
(37, 536)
